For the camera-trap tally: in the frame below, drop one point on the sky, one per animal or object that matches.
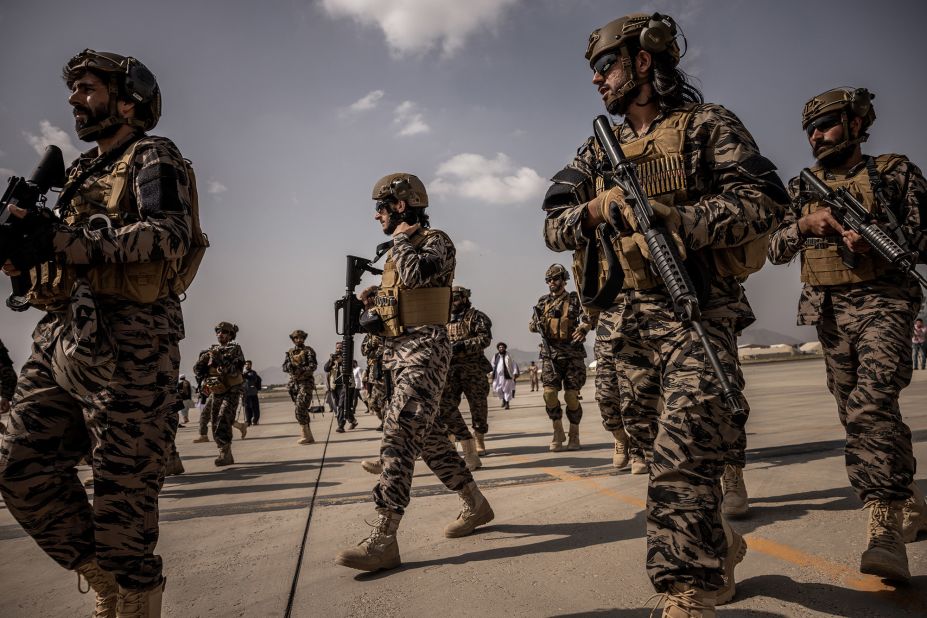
(291, 110)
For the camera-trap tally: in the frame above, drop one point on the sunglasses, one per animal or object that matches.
(823, 124)
(604, 64)
(383, 205)
(223, 332)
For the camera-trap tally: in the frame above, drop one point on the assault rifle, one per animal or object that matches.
(28, 194)
(540, 324)
(347, 319)
(851, 214)
(664, 258)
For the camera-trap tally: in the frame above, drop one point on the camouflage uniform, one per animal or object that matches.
(372, 349)
(7, 378)
(344, 411)
(565, 367)
(733, 196)
(224, 382)
(117, 406)
(470, 332)
(418, 363)
(300, 364)
(864, 330)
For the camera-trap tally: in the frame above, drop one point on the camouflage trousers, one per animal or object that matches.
(376, 397)
(124, 421)
(221, 409)
(867, 354)
(465, 379)
(301, 394)
(563, 373)
(410, 429)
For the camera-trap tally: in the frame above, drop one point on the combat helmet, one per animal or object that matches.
(556, 270)
(127, 79)
(619, 41)
(843, 104)
(459, 290)
(298, 333)
(401, 186)
(227, 326)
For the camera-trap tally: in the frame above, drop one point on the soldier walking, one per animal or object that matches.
(222, 364)
(300, 363)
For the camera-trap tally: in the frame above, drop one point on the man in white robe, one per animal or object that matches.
(504, 372)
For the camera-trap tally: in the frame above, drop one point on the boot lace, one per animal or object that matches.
(687, 601)
(882, 524)
(731, 478)
(103, 586)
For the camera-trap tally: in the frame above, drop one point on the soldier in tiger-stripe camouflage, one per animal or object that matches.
(105, 356)
(300, 363)
(864, 311)
(718, 197)
(372, 349)
(222, 365)
(418, 273)
(7, 382)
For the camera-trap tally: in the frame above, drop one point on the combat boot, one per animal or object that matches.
(174, 466)
(241, 427)
(469, 454)
(103, 583)
(735, 492)
(378, 551)
(476, 512)
(684, 601)
(225, 456)
(639, 464)
(913, 515)
(736, 550)
(132, 603)
(886, 555)
(556, 444)
(202, 438)
(480, 444)
(620, 456)
(573, 444)
(373, 467)
(307, 435)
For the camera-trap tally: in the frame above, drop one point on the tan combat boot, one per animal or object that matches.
(736, 550)
(480, 444)
(639, 464)
(684, 601)
(103, 583)
(373, 467)
(140, 603)
(886, 555)
(202, 438)
(913, 515)
(735, 492)
(174, 466)
(573, 444)
(378, 551)
(225, 456)
(241, 427)
(307, 435)
(469, 454)
(620, 456)
(556, 443)
(476, 512)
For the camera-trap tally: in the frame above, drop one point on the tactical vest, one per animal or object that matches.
(400, 307)
(217, 382)
(104, 204)
(821, 259)
(298, 357)
(459, 330)
(558, 330)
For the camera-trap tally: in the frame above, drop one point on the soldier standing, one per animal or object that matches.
(413, 305)
(126, 247)
(372, 349)
(563, 324)
(863, 309)
(344, 411)
(249, 395)
(719, 198)
(300, 363)
(7, 382)
(222, 364)
(470, 332)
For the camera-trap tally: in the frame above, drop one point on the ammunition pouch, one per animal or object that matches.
(371, 322)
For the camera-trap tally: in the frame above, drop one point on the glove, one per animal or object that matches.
(601, 207)
(668, 214)
(34, 242)
(458, 347)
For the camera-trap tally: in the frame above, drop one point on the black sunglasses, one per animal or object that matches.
(382, 205)
(605, 63)
(822, 124)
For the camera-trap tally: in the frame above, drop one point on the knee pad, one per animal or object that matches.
(572, 399)
(550, 397)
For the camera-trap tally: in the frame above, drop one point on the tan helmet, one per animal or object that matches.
(228, 327)
(298, 333)
(844, 103)
(556, 270)
(401, 186)
(655, 33)
(459, 290)
(127, 79)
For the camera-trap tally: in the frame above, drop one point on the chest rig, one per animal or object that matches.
(558, 323)
(458, 330)
(299, 360)
(400, 306)
(823, 260)
(222, 374)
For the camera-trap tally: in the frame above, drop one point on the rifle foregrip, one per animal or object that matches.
(670, 268)
(883, 244)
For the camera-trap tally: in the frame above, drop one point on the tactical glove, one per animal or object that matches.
(607, 206)
(34, 241)
(458, 347)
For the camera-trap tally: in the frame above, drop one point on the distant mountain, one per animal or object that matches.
(762, 336)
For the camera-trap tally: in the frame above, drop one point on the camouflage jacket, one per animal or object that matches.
(221, 363)
(372, 349)
(7, 374)
(906, 189)
(734, 196)
(300, 363)
(431, 264)
(479, 328)
(567, 348)
(158, 226)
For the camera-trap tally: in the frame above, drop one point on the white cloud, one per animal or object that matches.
(5, 173)
(50, 134)
(409, 120)
(469, 246)
(415, 26)
(215, 187)
(365, 103)
(494, 181)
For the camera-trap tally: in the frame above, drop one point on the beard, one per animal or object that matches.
(88, 129)
(618, 105)
(834, 159)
